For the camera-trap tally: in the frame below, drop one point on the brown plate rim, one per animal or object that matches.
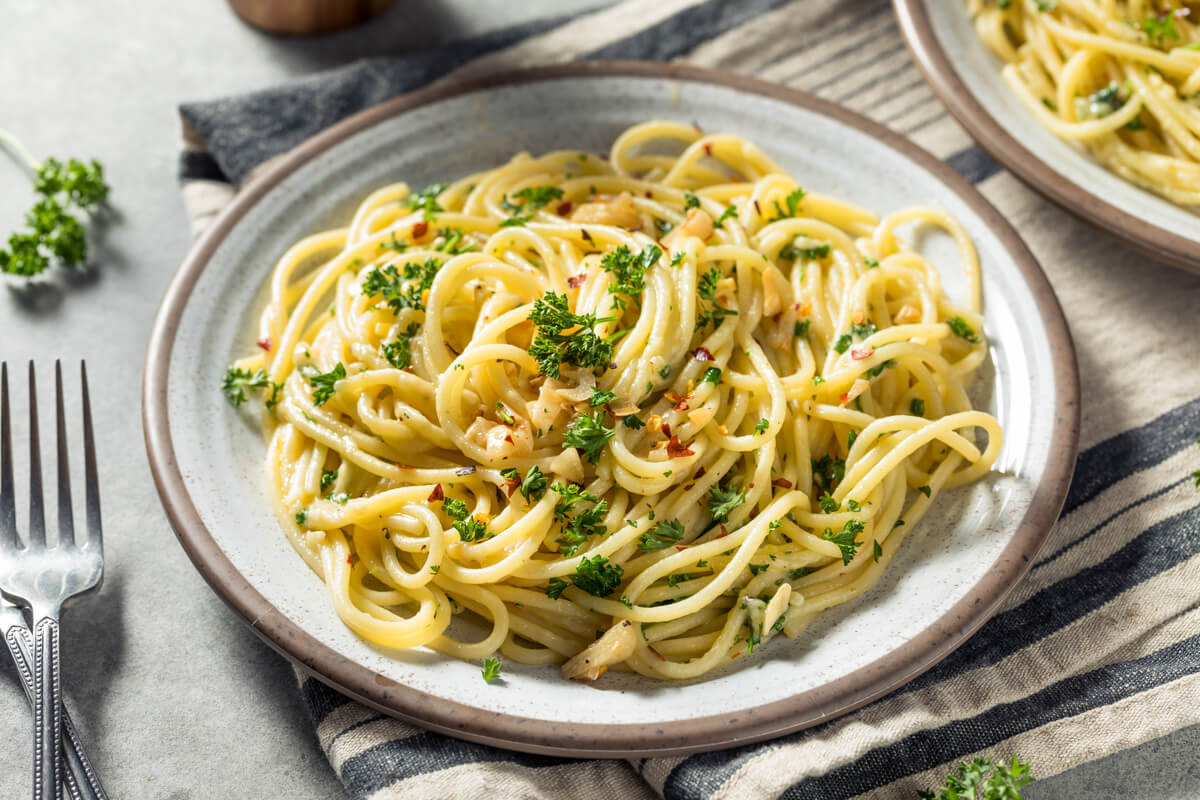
(1157, 242)
(581, 739)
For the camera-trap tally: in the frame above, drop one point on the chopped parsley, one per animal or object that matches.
(801, 328)
(806, 249)
(1160, 27)
(452, 242)
(917, 407)
(402, 288)
(707, 289)
(875, 371)
(491, 669)
(532, 198)
(425, 200)
(629, 270)
(845, 539)
(730, 211)
(579, 528)
(399, 352)
(711, 375)
(792, 201)
(552, 347)
(761, 426)
(588, 434)
(504, 415)
(328, 476)
(556, 588)
(301, 517)
(827, 472)
(843, 343)
(722, 501)
(755, 569)
(690, 201)
(925, 490)
(828, 504)
(961, 329)
(877, 550)
(664, 534)
(601, 397)
(634, 423)
(323, 384)
(469, 529)
(533, 487)
(597, 577)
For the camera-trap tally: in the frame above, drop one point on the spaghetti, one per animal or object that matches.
(643, 411)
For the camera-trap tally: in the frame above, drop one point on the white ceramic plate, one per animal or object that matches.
(966, 76)
(950, 577)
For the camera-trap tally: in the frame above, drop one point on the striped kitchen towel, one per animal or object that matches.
(1096, 651)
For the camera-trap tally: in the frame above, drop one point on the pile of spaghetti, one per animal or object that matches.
(640, 411)
(1121, 77)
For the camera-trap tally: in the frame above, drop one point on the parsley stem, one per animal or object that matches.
(18, 151)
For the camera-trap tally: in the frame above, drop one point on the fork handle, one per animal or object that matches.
(47, 711)
(80, 781)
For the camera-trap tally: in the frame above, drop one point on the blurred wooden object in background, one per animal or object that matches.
(307, 17)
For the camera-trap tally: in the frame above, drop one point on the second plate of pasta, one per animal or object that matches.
(672, 403)
(1094, 105)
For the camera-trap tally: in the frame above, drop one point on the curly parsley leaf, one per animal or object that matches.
(663, 534)
(707, 289)
(690, 201)
(601, 397)
(722, 501)
(827, 473)
(402, 288)
(533, 487)
(1160, 26)
(564, 337)
(807, 249)
(588, 434)
(556, 588)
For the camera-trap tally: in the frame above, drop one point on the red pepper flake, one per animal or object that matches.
(666, 429)
(682, 405)
(782, 483)
(404, 466)
(436, 494)
(350, 559)
(587, 237)
(265, 344)
(700, 473)
(658, 655)
(724, 532)
(680, 401)
(708, 148)
(512, 486)
(757, 210)
(860, 353)
(703, 354)
(677, 449)
(844, 397)
(575, 281)
(564, 208)
(420, 229)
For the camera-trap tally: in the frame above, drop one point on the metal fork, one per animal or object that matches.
(42, 577)
(80, 780)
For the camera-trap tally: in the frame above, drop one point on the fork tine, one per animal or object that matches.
(8, 517)
(95, 537)
(37, 514)
(66, 522)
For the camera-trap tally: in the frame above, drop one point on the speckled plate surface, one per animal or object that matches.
(966, 76)
(951, 575)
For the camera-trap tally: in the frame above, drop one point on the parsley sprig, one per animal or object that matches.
(715, 314)
(425, 200)
(54, 231)
(982, 779)
(565, 337)
(236, 381)
(846, 539)
(399, 352)
(491, 668)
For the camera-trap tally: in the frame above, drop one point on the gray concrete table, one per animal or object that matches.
(175, 696)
